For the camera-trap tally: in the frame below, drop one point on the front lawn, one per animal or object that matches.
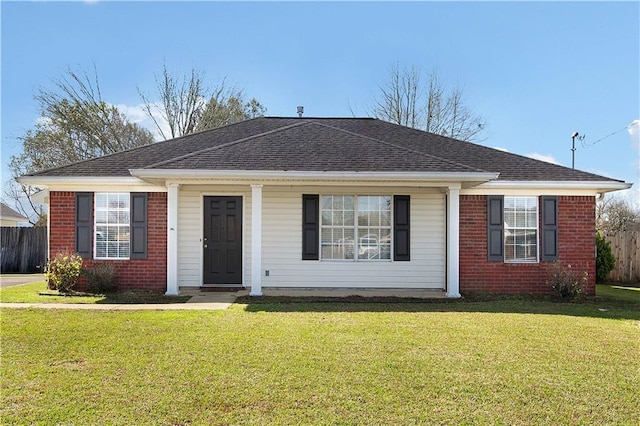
(504, 362)
(37, 292)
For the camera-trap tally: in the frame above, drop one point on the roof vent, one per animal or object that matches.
(300, 111)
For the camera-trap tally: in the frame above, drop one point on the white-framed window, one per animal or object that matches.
(111, 227)
(355, 227)
(520, 229)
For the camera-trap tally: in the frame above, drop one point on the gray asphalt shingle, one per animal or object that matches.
(322, 144)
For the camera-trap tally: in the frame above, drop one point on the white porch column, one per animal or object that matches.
(453, 241)
(172, 239)
(256, 240)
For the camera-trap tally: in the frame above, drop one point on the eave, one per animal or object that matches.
(277, 177)
(89, 183)
(549, 187)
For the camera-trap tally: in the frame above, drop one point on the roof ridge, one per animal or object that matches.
(225, 145)
(135, 148)
(403, 148)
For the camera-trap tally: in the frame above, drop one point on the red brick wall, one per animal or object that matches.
(147, 274)
(576, 239)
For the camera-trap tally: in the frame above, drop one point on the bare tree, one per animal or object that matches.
(226, 108)
(399, 100)
(405, 101)
(182, 102)
(76, 124)
(186, 104)
(615, 213)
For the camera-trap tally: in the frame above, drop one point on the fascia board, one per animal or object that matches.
(92, 183)
(175, 175)
(548, 187)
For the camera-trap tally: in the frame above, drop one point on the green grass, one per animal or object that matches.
(32, 293)
(481, 362)
(619, 294)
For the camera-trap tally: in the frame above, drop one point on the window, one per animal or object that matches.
(520, 229)
(112, 231)
(345, 238)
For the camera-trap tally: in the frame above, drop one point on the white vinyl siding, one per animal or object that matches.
(282, 240)
(282, 244)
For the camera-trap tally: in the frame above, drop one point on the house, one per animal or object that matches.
(10, 217)
(325, 203)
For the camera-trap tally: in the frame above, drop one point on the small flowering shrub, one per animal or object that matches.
(567, 283)
(63, 271)
(101, 279)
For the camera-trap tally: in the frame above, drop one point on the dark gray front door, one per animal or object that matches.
(222, 240)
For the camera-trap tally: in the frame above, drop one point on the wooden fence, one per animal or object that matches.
(23, 250)
(625, 246)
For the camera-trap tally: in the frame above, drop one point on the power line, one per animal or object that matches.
(588, 144)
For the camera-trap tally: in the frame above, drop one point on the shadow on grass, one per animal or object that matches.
(120, 297)
(609, 306)
(141, 297)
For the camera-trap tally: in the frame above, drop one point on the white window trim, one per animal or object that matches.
(355, 228)
(95, 227)
(537, 228)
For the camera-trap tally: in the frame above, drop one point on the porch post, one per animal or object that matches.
(453, 241)
(172, 239)
(256, 240)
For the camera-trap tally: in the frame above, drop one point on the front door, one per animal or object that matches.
(222, 240)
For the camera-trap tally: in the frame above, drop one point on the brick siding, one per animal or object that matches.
(144, 274)
(576, 247)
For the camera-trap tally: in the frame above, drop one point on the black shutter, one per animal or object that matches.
(549, 228)
(495, 228)
(310, 227)
(84, 223)
(138, 225)
(401, 231)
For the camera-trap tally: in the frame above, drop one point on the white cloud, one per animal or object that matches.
(500, 148)
(136, 114)
(543, 157)
(634, 134)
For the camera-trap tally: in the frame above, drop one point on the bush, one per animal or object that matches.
(605, 260)
(63, 272)
(102, 278)
(567, 284)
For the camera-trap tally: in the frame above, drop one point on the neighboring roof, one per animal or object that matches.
(322, 144)
(7, 212)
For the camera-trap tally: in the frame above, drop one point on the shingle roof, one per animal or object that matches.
(313, 146)
(9, 213)
(322, 144)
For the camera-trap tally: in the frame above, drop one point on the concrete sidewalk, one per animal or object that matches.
(122, 307)
(8, 280)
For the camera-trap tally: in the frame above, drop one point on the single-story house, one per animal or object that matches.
(10, 217)
(287, 203)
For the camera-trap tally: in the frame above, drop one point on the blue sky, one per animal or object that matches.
(536, 71)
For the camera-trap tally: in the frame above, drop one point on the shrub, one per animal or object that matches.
(102, 278)
(63, 271)
(605, 260)
(567, 283)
